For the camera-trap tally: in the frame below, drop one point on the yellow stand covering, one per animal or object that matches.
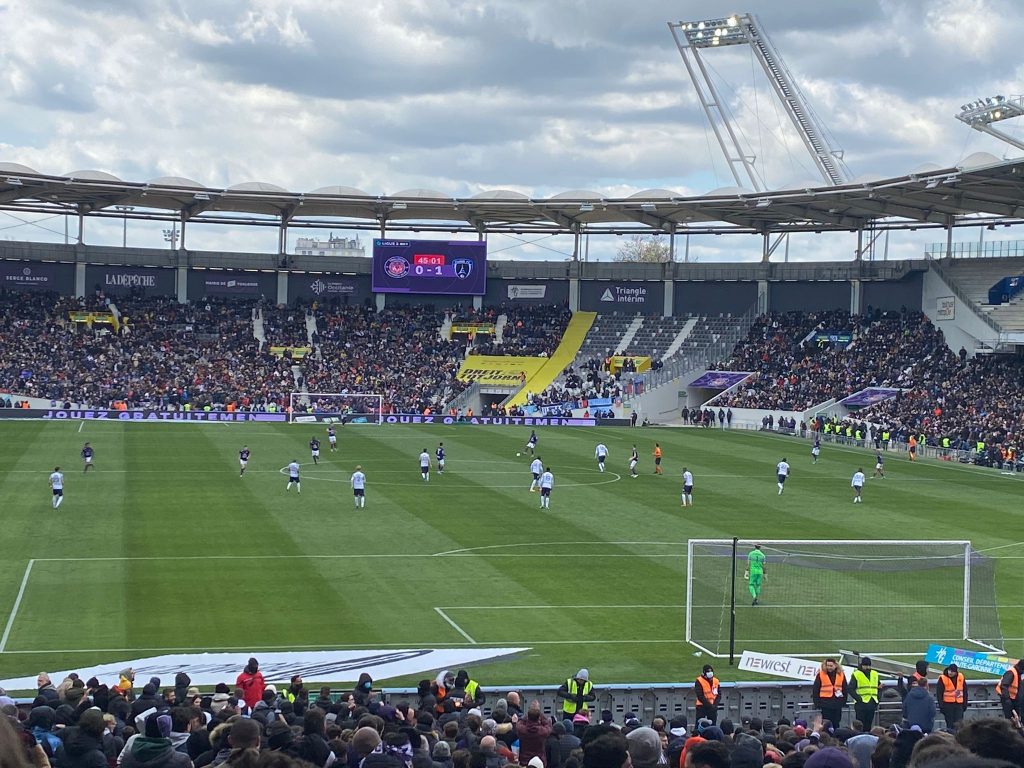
(572, 340)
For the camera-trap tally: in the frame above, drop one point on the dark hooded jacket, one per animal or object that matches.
(80, 750)
(361, 693)
(181, 684)
(154, 752)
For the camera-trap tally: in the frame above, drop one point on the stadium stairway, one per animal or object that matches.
(499, 328)
(257, 329)
(976, 276)
(627, 337)
(680, 338)
(310, 327)
(560, 359)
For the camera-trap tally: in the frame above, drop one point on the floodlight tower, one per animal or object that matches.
(981, 114)
(694, 38)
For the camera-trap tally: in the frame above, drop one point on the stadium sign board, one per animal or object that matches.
(780, 666)
(519, 292)
(945, 308)
(207, 669)
(976, 661)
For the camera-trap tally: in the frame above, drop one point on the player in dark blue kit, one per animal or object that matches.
(531, 444)
(314, 450)
(332, 439)
(243, 459)
(439, 453)
(86, 458)
(879, 471)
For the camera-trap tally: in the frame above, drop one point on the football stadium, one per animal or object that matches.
(393, 499)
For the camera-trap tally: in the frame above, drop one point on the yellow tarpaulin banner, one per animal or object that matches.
(107, 318)
(643, 363)
(473, 328)
(297, 352)
(500, 371)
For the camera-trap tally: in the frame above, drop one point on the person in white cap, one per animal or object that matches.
(575, 693)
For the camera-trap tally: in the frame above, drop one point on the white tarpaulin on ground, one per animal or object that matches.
(207, 669)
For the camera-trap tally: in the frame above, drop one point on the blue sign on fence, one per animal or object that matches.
(977, 661)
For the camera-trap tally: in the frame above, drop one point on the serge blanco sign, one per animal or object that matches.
(208, 669)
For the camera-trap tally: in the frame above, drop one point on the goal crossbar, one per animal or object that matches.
(907, 576)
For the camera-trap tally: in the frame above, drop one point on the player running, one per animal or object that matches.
(243, 460)
(657, 459)
(531, 444)
(687, 487)
(547, 482)
(755, 572)
(332, 438)
(293, 476)
(425, 466)
(87, 458)
(57, 486)
(537, 468)
(634, 459)
(879, 470)
(782, 472)
(858, 485)
(358, 482)
(601, 453)
(815, 450)
(439, 455)
(314, 450)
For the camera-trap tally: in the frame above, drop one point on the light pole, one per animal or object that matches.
(982, 113)
(171, 236)
(124, 209)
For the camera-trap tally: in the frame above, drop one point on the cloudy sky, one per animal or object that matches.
(462, 96)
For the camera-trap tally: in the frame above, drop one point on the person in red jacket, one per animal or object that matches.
(533, 731)
(251, 681)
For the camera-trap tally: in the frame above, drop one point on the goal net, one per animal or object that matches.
(818, 596)
(334, 407)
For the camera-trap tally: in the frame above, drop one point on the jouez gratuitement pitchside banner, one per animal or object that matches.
(73, 414)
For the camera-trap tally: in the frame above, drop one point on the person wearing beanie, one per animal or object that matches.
(149, 699)
(706, 689)
(951, 693)
(830, 691)
(365, 740)
(82, 745)
(829, 757)
(251, 681)
(181, 683)
(575, 693)
(864, 690)
(442, 755)
(644, 746)
(920, 670)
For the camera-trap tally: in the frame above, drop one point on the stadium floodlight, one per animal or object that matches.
(335, 408)
(982, 113)
(884, 596)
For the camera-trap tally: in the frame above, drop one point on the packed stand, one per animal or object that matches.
(284, 326)
(397, 353)
(528, 331)
(451, 722)
(577, 386)
(165, 356)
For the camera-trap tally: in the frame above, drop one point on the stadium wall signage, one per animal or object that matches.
(58, 414)
(208, 669)
(37, 276)
(976, 661)
(607, 296)
(779, 666)
(150, 281)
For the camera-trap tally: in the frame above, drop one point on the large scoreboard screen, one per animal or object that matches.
(455, 267)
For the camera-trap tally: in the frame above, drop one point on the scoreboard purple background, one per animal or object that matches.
(411, 266)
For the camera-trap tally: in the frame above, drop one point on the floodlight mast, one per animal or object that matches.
(982, 113)
(744, 29)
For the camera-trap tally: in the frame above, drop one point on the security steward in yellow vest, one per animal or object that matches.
(575, 693)
(1010, 691)
(707, 689)
(951, 693)
(864, 691)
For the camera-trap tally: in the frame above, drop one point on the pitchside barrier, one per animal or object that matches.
(766, 700)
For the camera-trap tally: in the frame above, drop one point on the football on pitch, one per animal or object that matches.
(519, 454)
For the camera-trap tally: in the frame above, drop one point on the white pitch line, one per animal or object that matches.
(81, 424)
(702, 607)
(455, 626)
(17, 605)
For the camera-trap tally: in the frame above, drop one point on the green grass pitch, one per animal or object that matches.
(164, 548)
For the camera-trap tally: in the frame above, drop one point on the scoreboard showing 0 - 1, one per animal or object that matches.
(455, 267)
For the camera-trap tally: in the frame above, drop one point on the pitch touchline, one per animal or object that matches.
(17, 605)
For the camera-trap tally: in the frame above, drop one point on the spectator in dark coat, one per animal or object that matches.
(47, 689)
(83, 744)
(919, 706)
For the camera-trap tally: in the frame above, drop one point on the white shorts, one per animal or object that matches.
(332, 440)
(243, 464)
(315, 453)
(87, 459)
(878, 466)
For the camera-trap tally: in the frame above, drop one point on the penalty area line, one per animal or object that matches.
(455, 626)
(17, 605)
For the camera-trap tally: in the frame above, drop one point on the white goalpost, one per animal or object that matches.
(335, 408)
(819, 595)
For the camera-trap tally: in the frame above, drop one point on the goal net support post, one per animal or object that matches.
(335, 408)
(817, 596)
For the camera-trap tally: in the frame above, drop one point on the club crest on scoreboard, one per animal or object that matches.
(463, 268)
(397, 267)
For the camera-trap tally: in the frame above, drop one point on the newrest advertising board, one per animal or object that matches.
(116, 281)
(327, 288)
(37, 276)
(629, 297)
(244, 285)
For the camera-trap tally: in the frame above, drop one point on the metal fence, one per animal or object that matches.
(971, 250)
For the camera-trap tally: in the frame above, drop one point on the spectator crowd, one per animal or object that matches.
(450, 723)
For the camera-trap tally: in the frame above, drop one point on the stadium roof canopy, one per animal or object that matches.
(981, 190)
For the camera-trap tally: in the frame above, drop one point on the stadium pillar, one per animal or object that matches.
(766, 247)
(669, 298)
(856, 296)
(380, 302)
(762, 297)
(80, 279)
(182, 281)
(478, 302)
(574, 294)
(282, 287)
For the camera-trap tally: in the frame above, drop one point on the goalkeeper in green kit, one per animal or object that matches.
(755, 572)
